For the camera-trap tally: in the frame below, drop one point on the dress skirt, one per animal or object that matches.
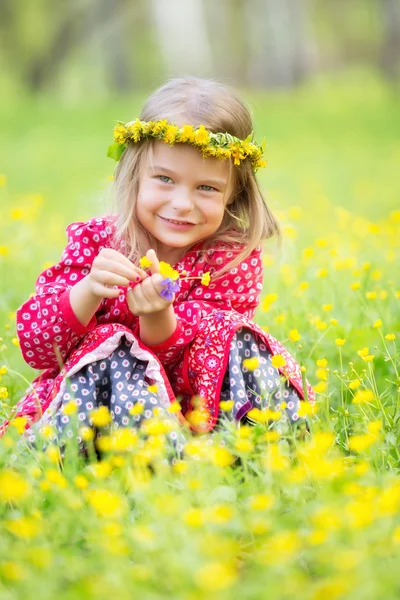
(119, 383)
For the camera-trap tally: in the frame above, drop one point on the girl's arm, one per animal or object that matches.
(47, 319)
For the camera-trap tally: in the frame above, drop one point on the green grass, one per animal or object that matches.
(318, 518)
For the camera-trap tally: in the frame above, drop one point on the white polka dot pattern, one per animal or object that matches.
(42, 321)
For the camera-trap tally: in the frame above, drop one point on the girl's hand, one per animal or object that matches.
(111, 268)
(145, 298)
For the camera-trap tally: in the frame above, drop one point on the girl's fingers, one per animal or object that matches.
(130, 273)
(105, 292)
(155, 264)
(107, 278)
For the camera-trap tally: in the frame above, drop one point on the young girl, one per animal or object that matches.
(113, 324)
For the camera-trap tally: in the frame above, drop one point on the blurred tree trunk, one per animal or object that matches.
(226, 20)
(282, 51)
(390, 53)
(107, 44)
(182, 35)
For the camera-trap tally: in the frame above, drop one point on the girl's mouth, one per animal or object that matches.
(180, 224)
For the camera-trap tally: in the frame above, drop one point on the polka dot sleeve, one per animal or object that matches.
(46, 319)
(238, 289)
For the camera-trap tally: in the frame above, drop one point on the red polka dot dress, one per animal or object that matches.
(202, 358)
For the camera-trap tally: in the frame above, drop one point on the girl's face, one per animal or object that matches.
(182, 197)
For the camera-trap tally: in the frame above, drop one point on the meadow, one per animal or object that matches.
(276, 513)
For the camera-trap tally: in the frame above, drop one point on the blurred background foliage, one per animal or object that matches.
(102, 47)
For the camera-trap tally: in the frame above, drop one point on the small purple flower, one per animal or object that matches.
(170, 286)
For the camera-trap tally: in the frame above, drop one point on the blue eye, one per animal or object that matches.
(164, 178)
(209, 188)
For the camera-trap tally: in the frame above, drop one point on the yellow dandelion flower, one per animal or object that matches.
(13, 486)
(193, 517)
(278, 361)
(106, 503)
(244, 445)
(371, 295)
(201, 136)
(136, 409)
(86, 433)
(363, 352)
(355, 286)
(221, 457)
(306, 409)
(363, 396)
(353, 385)
(226, 405)
(378, 324)
(359, 443)
(251, 364)
(100, 417)
(205, 279)
(19, 423)
(167, 271)
(322, 363)
(261, 502)
(294, 335)
(187, 134)
(322, 273)
(320, 387)
(70, 408)
(390, 337)
(215, 576)
(145, 263)
(340, 342)
(327, 307)
(170, 134)
(174, 407)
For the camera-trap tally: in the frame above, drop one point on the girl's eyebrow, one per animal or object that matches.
(210, 181)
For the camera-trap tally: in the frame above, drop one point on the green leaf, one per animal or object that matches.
(115, 150)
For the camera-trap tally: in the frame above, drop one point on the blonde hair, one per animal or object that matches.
(247, 219)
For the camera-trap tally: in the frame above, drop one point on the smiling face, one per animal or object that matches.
(182, 197)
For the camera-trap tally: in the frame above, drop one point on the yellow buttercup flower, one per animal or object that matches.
(145, 263)
(251, 363)
(278, 361)
(205, 279)
(167, 271)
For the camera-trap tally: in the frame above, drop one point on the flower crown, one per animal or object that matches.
(219, 145)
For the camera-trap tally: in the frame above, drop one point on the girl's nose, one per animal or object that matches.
(182, 200)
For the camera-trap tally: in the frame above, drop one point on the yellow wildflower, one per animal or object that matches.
(340, 342)
(19, 423)
(359, 443)
(261, 501)
(136, 409)
(106, 503)
(251, 363)
(193, 517)
(294, 335)
(13, 487)
(153, 389)
(244, 445)
(201, 136)
(327, 307)
(187, 134)
(320, 387)
(355, 286)
(226, 405)
(167, 271)
(322, 363)
(145, 263)
(222, 457)
(212, 577)
(278, 361)
(390, 336)
(353, 385)
(174, 407)
(363, 396)
(377, 324)
(371, 295)
(170, 134)
(100, 417)
(70, 408)
(205, 279)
